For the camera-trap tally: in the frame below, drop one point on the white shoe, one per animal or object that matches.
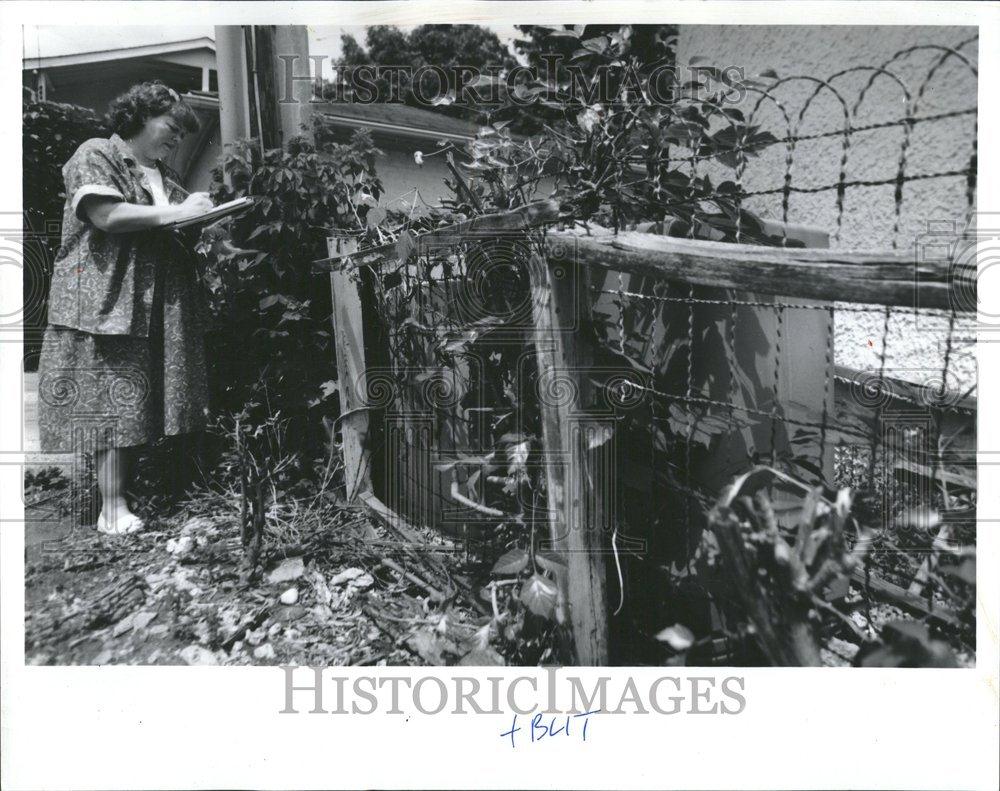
(123, 525)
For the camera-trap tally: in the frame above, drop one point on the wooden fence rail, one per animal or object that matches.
(881, 277)
(878, 278)
(533, 215)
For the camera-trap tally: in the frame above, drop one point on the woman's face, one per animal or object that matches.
(160, 136)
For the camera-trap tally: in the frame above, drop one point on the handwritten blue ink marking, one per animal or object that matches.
(539, 730)
(585, 722)
(513, 729)
(535, 725)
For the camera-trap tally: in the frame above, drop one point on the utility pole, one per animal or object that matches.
(252, 82)
(259, 46)
(230, 61)
(295, 105)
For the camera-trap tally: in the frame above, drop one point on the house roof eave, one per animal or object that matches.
(210, 102)
(119, 53)
(401, 130)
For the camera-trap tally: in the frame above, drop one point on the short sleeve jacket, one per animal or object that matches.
(103, 283)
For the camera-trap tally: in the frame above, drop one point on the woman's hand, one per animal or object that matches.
(194, 204)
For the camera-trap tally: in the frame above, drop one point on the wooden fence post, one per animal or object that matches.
(561, 305)
(348, 334)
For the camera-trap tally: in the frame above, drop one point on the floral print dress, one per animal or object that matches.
(122, 360)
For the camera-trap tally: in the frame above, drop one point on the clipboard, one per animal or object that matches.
(216, 213)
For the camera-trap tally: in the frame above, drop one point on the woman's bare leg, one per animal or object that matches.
(113, 469)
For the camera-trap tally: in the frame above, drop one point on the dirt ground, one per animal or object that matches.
(335, 587)
(179, 593)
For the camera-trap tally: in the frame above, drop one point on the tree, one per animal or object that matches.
(444, 46)
(649, 44)
(572, 47)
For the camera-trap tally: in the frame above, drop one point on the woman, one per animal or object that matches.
(122, 361)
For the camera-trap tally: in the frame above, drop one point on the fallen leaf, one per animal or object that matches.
(124, 625)
(197, 655)
(346, 576)
(181, 546)
(287, 614)
(198, 525)
(288, 570)
(142, 619)
(265, 652)
(678, 637)
(321, 590)
(427, 646)
(843, 648)
(255, 636)
(362, 582)
(481, 638)
(482, 657)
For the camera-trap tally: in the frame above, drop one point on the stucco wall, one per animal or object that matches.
(915, 346)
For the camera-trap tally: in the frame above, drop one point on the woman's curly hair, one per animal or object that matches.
(130, 111)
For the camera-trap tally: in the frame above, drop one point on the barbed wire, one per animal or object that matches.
(843, 185)
(850, 130)
(749, 303)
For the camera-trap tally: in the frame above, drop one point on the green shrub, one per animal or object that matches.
(270, 347)
(51, 133)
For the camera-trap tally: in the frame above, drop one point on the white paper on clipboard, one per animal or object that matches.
(215, 213)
